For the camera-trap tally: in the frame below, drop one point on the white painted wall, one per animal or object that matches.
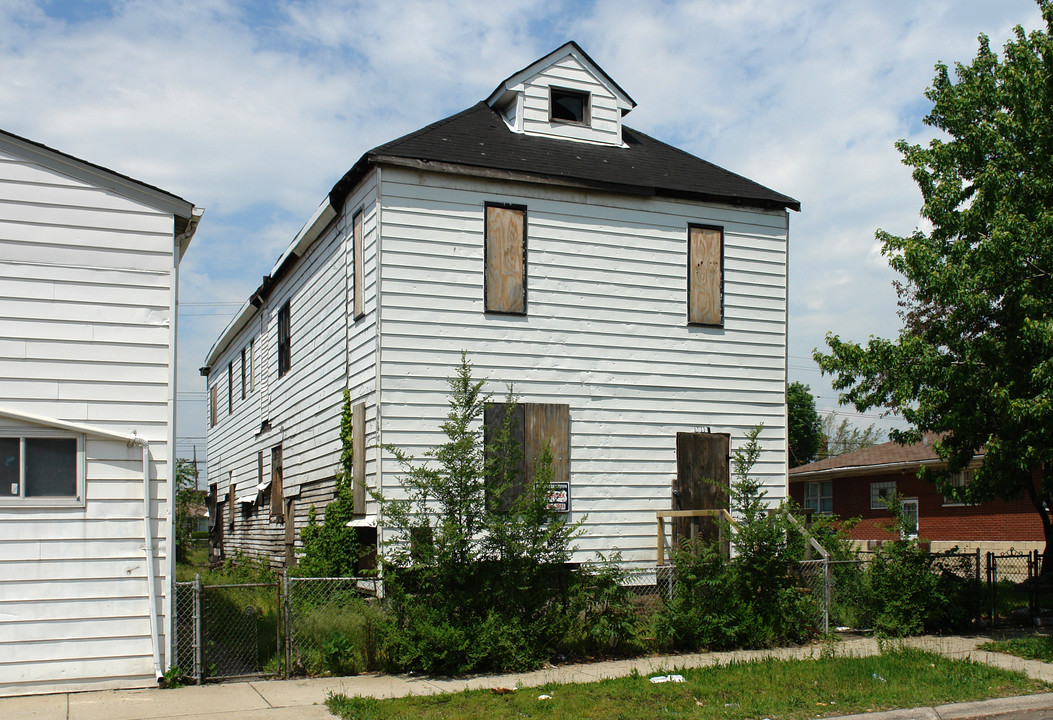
(86, 277)
(605, 332)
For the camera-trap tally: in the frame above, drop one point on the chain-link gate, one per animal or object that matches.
(185, 628)
(227, 631)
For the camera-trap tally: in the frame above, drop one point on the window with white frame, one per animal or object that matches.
(879, 491)
(958, 480)
(44, 468)
(819, 496)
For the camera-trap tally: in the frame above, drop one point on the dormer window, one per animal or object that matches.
(568, 106)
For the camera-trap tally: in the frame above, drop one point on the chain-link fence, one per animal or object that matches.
(321, 617)
(318, 626)
(649, 588)
(185, 628)
(814, 580)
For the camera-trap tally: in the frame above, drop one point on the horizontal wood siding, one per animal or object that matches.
(330, 351)
(606, 333)
(605, 126)
(85, 283)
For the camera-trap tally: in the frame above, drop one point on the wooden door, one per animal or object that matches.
(702, 480)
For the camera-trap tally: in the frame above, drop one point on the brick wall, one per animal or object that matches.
(994, 522)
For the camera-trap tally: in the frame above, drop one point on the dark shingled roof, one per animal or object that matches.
(479, 138)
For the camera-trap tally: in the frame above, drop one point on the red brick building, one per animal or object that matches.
(854, 484)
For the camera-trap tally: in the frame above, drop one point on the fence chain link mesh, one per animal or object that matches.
(321, 615)
(184, 632)
(814, 581)
(649, 588)
(1012, 586)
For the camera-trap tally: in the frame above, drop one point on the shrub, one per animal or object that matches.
(473, 585)
(752, 600)
(331, 549)
(912, 591)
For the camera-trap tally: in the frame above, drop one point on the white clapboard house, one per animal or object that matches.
(634, 294)
(88, 270)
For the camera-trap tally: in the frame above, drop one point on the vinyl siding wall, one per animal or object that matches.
(605, 332)
(571, 74)
(85, 283)
(330, 351)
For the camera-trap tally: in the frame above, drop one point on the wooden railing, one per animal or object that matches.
(661, 515)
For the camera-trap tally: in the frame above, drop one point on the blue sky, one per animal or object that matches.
(252, 110)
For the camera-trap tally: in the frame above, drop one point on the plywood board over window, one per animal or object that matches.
(358, 259)
(534, 426)
(277, 496)
(702, 479)
(358, 463)
(705, 275)
(505, 286)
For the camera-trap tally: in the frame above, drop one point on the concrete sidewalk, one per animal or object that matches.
(304, 699)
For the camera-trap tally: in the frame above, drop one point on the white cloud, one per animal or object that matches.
(254, 110)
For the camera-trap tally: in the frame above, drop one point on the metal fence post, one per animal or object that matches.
(979, 591)
(288, 624)
(199, 640)
(826, 595)
(992, 582)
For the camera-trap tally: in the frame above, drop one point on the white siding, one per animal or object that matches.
(569, 73)
(330, 351)
(86, 286)
(605, 332)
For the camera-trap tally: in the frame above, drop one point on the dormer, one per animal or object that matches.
(564, 95)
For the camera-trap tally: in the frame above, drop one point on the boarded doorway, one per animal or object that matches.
(702, 480)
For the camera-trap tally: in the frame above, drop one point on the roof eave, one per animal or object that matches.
(878, 469)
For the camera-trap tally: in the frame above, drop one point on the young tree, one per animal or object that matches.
(805, 432)
(843, 437)
(188, 500)
(974, 360)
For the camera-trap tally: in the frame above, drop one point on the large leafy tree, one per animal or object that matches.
(805, 435)
(974, 360)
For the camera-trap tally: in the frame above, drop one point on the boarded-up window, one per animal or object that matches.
(701, 483)
(277, 509)
(284, 340)
(504, 287)
(244, 352)
(357, 258)
(705, 275)
(230, 501)
(358, 468)
(534, 426)
(252, 364)
(290, 532)
(213, 404)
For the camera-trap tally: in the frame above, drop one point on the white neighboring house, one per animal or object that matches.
(633, 293)
(88, 278)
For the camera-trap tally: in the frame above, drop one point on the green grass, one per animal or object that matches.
(1034, 647)
(777, 689)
